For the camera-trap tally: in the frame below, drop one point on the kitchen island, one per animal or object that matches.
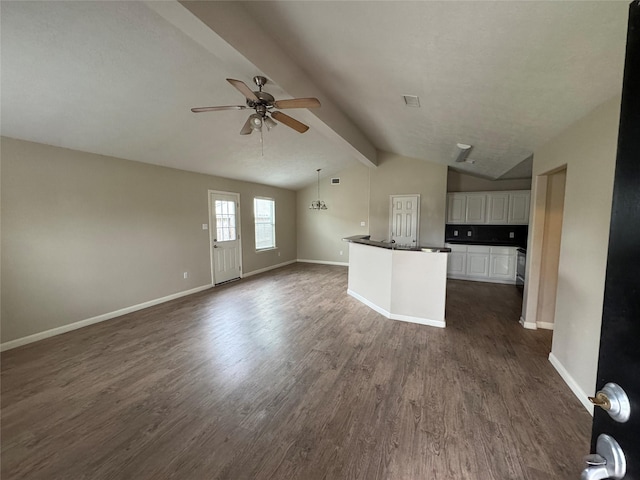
(407, 284)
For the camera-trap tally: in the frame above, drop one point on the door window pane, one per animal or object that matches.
(264, 214)
(225, 220)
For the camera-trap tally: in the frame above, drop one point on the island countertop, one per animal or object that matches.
(366, 240)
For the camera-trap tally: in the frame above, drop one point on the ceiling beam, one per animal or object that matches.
(232, 23)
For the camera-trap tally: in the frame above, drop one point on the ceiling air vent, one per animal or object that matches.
(335, 181)
(411, 101)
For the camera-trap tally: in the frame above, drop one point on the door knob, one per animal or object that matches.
(614, 400)
(608, 461)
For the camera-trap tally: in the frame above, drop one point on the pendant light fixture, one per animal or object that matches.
(318, 204)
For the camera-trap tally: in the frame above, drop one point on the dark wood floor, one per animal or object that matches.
(283, 376)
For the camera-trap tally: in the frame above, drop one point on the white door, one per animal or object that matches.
(224, 211)
(405, 215)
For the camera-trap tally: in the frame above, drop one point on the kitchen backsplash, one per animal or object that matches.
(515, 235)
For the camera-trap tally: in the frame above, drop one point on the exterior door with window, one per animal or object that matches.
(619, 357)
(405, 215)
(225, 236)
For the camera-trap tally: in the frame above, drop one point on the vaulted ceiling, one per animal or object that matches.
(119, 78)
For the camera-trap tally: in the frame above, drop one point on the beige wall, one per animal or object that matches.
(320, 232)
(588, 148)
(462, 182)
(84, 235)
(363, 196)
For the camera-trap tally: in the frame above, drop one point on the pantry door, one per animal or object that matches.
(405, 217)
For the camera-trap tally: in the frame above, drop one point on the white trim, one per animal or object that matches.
(528, 325)
(545, 325)
(266, 269)
(573, 385)
(394, 316)
(323, 262)
(100, 318)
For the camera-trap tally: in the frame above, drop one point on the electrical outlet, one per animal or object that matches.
(340, 252)
(205, 226)
(278, 253)
(455, 233)
(363, 224)
(468, 234)
(512, 235)
(185, 275)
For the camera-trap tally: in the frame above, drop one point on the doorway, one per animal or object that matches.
(224, 234)
(404, 221)
(551, 241)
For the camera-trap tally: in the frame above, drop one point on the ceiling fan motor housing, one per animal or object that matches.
(266, 102)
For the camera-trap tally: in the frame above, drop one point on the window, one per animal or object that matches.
(225, 220)
(264, 214)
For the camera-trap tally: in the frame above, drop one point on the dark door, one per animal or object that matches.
(619, 360)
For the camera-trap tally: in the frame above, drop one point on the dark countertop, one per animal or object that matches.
(482, 242)
(366, 240)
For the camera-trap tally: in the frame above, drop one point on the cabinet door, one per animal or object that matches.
(502, 267)
(476, 208)
(457, 263)
(519, 208)
(497, 208)
(456, 207)
(477, 264)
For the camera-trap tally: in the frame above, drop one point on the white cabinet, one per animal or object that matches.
(497, 208)
(476, 208)
(477, 261)
(502, 263)
(457, 260)
(456, 208)
(482, 263)
(491, 208)
(519, 208)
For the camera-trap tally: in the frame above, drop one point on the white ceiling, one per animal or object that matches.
(118, 78)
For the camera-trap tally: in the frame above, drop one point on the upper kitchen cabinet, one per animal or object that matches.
(491, 208)
(519, 203)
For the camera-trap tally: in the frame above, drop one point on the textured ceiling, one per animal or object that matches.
(504, 77)
(118, 78)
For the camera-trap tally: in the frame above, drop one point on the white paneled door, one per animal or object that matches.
(224, 210)
(405, 216)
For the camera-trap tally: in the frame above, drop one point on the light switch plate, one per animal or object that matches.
(363, 224)
(205, 226)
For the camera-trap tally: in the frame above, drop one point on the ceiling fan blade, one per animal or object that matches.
(290, 122)
(298, 103)
(246, 129)
(244, 89)
(215, 109)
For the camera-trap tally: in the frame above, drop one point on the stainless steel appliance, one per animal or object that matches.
(521, 265)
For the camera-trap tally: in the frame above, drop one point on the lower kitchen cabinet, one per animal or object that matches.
(484, 263)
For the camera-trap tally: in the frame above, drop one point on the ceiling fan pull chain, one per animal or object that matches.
(261, 143)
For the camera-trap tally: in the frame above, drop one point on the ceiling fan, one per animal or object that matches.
(264, 103)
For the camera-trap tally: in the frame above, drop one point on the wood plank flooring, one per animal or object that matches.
(284, 376)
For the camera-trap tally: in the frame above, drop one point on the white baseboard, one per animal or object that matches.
(480, 279)
(266, 269)
(573, 385)
(545, 325)
(100, 318)
(528, 325)
(394, 316)
(322, 262)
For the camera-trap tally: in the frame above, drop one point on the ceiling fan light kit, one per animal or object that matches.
(264, 104)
